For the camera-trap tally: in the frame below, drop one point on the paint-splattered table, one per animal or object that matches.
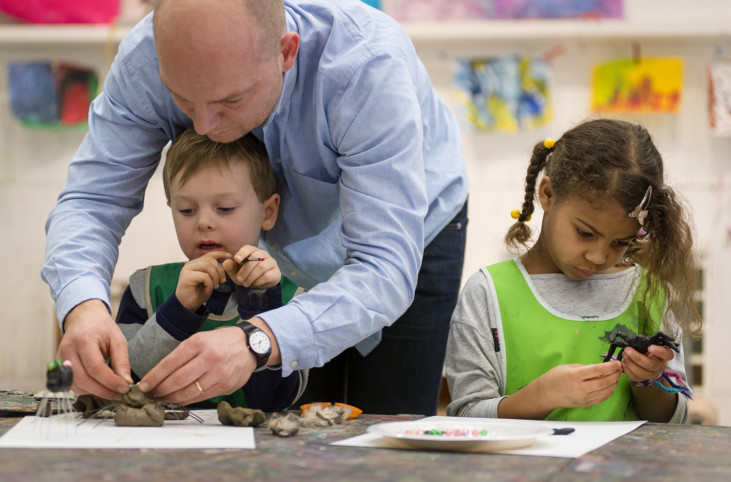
(652, 452)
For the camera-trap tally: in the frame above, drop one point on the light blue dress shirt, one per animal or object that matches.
(368, 159)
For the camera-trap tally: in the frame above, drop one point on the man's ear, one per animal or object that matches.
(545, 193)
(289, 46)
(271, 210)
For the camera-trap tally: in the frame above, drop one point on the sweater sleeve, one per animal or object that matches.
(473, 365)
(151, 339)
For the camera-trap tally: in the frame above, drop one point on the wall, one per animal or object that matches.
(33, 169)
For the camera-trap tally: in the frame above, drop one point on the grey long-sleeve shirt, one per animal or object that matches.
(476, 372)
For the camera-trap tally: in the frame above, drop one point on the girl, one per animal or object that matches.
(613, 255)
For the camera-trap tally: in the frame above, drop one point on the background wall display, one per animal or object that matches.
(425, 10)
(638, 85)
(44, 94)
(719, 96)
(61, 11)
(504, 93)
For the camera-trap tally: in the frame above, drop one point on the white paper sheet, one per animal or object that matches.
(61, 431)
(587, 436)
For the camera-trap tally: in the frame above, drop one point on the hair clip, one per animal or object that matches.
(516, 214)
(640, 212)
(549, 143)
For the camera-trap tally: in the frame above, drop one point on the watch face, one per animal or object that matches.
(259, 342)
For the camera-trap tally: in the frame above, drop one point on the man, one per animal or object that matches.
(370, 171)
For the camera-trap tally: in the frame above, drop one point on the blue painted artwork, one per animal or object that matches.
(45, 94)
(504, 93)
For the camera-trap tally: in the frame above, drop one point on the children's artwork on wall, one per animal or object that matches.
(440, 10)
(504, 93)
(43, 94)
(718, 75)
(61, 11)
(430, 10)
(642, 85)
(514, 9)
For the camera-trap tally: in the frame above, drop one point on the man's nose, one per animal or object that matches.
(205, 119)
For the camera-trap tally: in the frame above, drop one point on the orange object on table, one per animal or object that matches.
(354, 411)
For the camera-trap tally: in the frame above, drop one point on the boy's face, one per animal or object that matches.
(217, 210)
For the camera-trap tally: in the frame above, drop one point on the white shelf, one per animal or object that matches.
(11, 34)
(456, 31)
(551, 30)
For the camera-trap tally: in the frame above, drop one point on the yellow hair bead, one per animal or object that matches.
(549, 143)
(515, 214)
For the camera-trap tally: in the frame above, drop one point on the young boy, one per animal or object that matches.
(221, 196)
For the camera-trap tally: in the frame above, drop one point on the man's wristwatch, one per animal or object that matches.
(258, 342)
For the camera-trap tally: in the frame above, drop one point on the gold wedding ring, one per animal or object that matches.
(198, 386)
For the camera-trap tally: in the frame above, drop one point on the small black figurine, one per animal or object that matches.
(639, 343)
(59, 379)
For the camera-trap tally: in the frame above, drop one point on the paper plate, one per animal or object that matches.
(459, 435)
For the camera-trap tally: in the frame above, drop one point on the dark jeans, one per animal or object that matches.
(403, 374)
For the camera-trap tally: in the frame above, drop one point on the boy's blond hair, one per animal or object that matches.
(190, 152)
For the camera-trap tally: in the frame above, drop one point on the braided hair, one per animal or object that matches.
(617, 160)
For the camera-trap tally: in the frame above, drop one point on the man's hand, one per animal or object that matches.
(219, 360)
(91, 338)
(199, 277)
(205, 365)
(253, 274)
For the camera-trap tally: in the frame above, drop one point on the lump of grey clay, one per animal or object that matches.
(136, 398)
(90, 405)
(239, 416)
(149, 415)
(284, 425)
(317, 417)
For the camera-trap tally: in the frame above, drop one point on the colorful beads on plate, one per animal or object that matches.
(456, 432)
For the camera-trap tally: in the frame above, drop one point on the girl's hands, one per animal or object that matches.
(199, 277)
(640, 367)
(254, 273)
(564, 386)
(569, 386)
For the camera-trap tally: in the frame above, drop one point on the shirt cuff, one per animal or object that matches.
(78, 291)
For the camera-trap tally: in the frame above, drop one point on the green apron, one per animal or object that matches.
(536, 340)
(161, 282)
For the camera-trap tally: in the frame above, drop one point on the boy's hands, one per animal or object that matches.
(199, 277)
(253, 274)
(640, 367)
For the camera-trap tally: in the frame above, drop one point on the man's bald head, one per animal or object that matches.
(266, 16)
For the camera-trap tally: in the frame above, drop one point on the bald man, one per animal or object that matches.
(373, 199)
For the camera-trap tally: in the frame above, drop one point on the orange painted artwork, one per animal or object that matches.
(643, 85)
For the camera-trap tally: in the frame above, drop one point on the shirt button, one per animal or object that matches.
(278, 160)
(292, 273)
(293, 363)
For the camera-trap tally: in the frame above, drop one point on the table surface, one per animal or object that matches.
(652, 452)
